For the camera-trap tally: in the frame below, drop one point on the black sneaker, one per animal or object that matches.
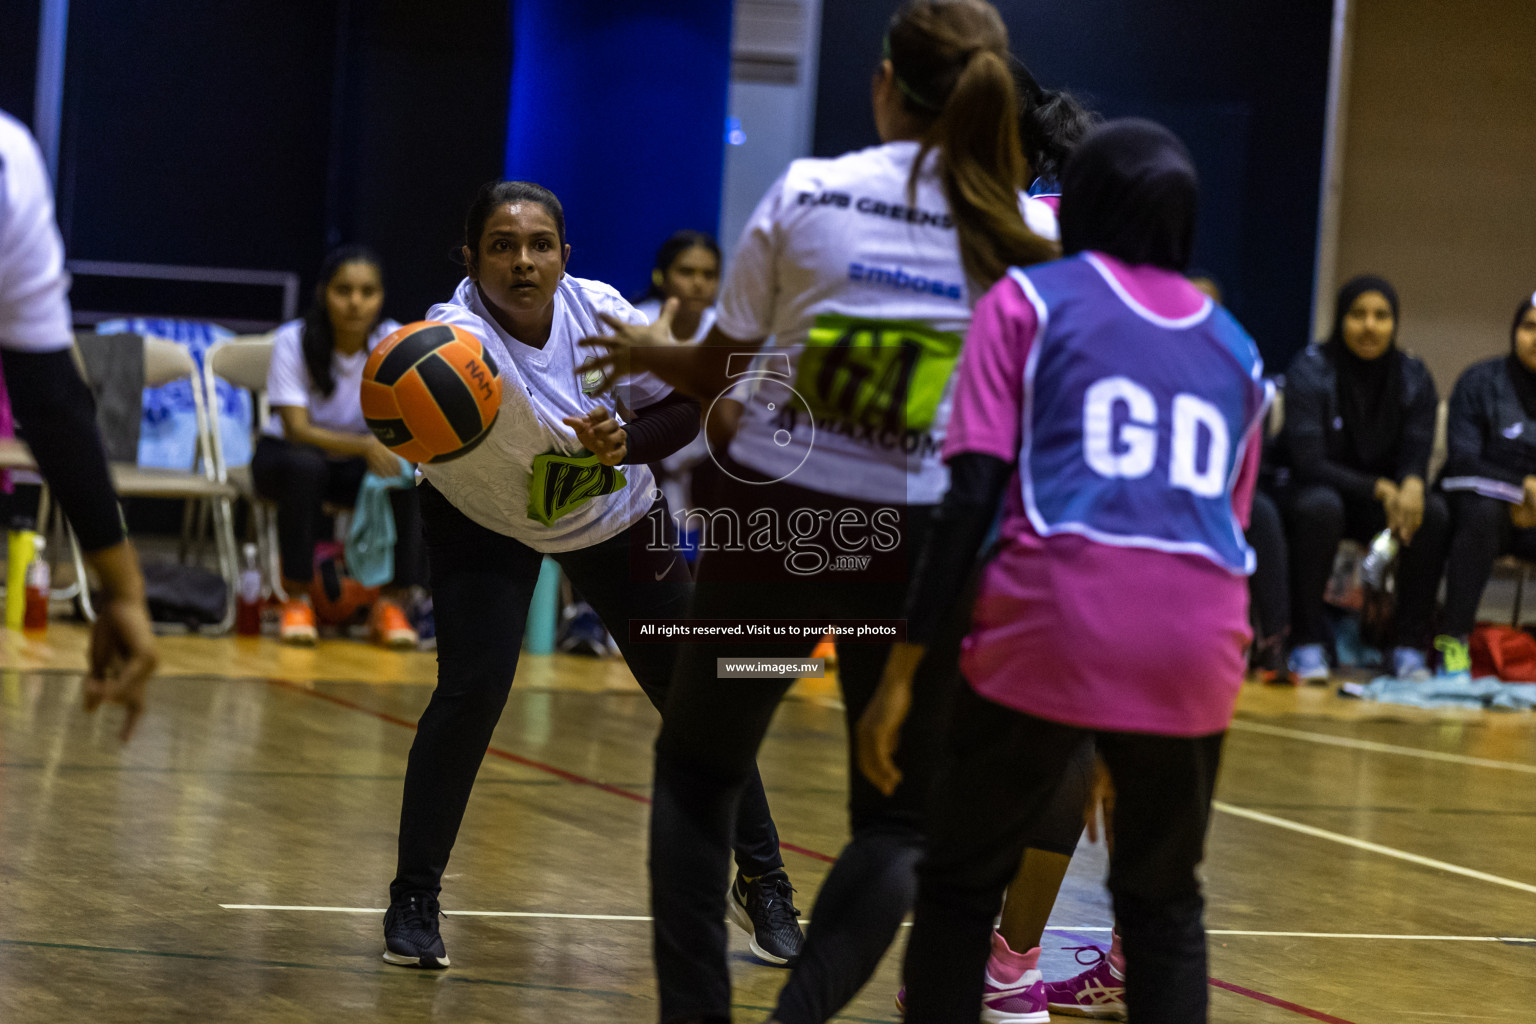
(764, 908)
(410, 932)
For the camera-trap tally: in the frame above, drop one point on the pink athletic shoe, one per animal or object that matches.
(1097, 992)
(1023, 1002)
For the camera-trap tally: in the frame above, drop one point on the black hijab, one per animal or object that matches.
(1370, 390)
(1523, 379)
(1130, 190)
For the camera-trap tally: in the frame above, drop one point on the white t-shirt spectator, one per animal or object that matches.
(288, 381)
(34, 289)
(651, 308)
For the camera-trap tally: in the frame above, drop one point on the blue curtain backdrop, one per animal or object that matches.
(620, 110)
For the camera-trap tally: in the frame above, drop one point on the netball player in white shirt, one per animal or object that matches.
(57, 415)
(557, 475)
(863, 268)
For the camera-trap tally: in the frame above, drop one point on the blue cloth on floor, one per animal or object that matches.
(371, 539)
(1460, 691)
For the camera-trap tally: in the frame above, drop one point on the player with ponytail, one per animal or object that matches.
(863, 269)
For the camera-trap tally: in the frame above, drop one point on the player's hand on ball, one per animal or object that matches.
(600, 434)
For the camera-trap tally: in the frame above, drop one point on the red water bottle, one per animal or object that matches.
(39, 587)
(248, 596)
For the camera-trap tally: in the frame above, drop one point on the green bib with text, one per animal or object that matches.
(882, 374)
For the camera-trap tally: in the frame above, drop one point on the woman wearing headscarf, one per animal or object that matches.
(1359, 425)
(1114, 411)
(1490, 478)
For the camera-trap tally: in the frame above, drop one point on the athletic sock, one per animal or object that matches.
(1006, 966)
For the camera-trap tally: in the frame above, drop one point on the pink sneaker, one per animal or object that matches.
(1097, 992)
(1023, 1002)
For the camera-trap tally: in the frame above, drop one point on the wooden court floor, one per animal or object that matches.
(1368, 864)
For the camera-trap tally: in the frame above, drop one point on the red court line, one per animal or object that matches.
(582, 780)
(527, 762)
(1262, 997)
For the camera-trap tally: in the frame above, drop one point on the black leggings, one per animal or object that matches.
(711, 730)
(1000, 771)
(1269, 588)
(1480, 532)
(1319, 517)
(300, 479)
(482, 584)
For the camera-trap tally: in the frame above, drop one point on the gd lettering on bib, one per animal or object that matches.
(560, 484)
(882, 374)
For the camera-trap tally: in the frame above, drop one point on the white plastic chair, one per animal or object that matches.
(164, 362)
(243, 362)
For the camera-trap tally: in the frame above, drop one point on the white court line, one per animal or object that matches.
(1380, 748)
(451, 913)
(1052, 928)
(1361, 844)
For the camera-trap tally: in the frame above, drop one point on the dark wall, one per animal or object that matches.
(423, 125)
(258, 136)
(1243, 84)
(18, 57)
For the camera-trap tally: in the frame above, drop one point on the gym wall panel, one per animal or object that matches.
(620, 110)
(1439, 170)
(421, 123)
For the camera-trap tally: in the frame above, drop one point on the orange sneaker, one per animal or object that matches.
(826, 649)
(389, 625)
(297, 625)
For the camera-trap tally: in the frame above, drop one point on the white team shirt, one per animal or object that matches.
(539, 388)
(838, 238)
(651, 309)
(34, 289)
(288, 381)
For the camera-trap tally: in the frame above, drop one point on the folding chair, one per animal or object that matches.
(164, 362)
(243, 362)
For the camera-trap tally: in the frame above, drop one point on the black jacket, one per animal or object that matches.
(1313, 436)
(1491, 440)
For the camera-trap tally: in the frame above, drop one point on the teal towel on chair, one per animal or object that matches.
(371, 539)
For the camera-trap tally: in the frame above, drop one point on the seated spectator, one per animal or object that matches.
(1490, 478)
(316, 448)
(1359, 426)
(688, 269)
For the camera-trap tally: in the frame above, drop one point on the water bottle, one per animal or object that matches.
(248, 596)
(1373, 567)
(39, 586)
